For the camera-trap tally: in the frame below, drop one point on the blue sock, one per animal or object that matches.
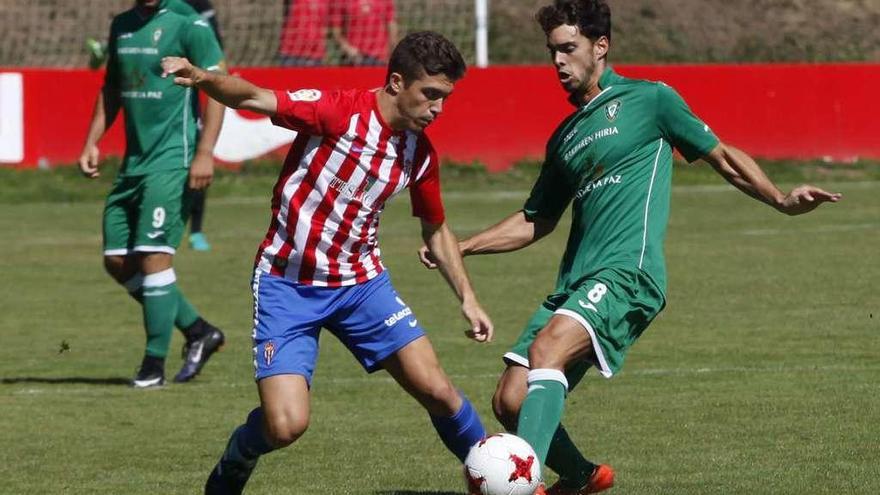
(248, 441)
(460, 432)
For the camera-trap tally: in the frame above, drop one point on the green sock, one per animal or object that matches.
(567, 461)
(160, 296)
(541, 410)
(186, 313)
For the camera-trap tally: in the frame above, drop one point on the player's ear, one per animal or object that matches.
(600, 47)
(395, 83)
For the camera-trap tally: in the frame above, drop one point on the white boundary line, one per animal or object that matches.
(518, 194)
(522, 194)
(321, 379)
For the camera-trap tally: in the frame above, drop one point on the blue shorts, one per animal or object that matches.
(370, 319)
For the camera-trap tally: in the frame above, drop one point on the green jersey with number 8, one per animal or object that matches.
(612, 159)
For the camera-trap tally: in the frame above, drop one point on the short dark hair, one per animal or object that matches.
(592, 17)
(426, 51)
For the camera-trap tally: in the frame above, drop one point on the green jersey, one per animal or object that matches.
(612, 159)
(160, 122)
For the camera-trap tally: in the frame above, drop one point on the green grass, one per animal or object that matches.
(760, 377)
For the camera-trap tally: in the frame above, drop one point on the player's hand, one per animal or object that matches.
(481, 326)
(806, 198)
(180, 67)
(88, 162)
(427, 258)
(201, 170)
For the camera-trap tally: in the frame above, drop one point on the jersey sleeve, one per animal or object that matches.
(550, 195)
(678, 124)
(424, 192)
(312, 111)
(201, 45)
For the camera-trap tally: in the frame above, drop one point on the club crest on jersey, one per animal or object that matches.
(268, 352)
(305, 95)
(156, 35)
(612, 110)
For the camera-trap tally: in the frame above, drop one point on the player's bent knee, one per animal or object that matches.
(506, 409)
(440, 398)
(285, 428)
(549, 350)
(542, 352)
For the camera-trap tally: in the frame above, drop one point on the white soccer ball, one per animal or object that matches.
(502, 464)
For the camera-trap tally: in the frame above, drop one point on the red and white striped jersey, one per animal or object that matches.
(343, 166)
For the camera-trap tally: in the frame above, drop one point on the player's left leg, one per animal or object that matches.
(417, 369)
(597, 324)
(563, 456)
(381, 331)
(562, 342)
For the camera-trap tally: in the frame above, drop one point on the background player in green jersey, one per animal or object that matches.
(612, 160)
(98, 55)
(166, 158)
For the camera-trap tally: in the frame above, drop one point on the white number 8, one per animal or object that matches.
(158, 217)
(596, 294)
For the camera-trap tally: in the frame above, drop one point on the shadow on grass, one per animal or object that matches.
(77, 380)
(414, 492)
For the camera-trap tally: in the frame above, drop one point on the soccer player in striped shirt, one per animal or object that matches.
(319, 264)
(611, 160)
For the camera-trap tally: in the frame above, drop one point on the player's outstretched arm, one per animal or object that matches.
(745, 174)
(231, 91)
(514, 232)
(442, 242)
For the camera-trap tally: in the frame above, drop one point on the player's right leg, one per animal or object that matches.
(287, 321)
(283, 417)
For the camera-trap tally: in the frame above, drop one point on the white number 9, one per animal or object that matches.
(158, 217)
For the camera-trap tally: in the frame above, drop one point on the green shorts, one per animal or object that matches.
(614, 305)
(146, 213)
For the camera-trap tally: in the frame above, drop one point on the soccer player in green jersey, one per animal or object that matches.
(97, 57)
(166, 158)
(612, 161)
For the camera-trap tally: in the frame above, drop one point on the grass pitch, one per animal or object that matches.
(761, 376)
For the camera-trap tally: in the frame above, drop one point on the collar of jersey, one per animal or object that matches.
(608, 77)
(605, 80)
(374, 96)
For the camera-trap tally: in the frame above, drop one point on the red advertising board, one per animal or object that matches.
(497, 115)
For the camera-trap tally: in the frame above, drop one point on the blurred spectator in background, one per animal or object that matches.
(304, 32)
(364, 30)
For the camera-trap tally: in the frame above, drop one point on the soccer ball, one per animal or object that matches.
(502, 464)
